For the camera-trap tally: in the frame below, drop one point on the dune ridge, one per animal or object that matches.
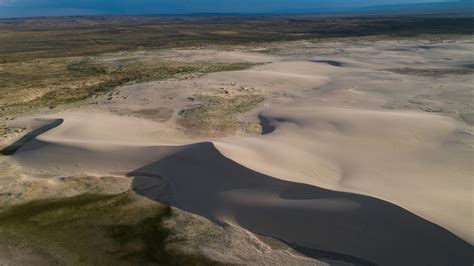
(345, 164)
(203, 181)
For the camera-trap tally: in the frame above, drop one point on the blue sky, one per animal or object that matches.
(21, 8)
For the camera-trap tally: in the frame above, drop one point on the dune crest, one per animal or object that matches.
(385, 154)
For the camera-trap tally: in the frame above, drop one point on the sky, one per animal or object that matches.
(22, 8)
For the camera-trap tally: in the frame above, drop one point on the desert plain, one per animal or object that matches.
(342, 151)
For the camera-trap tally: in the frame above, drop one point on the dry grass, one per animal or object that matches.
(27, 86)
(118, 229)
(217, 116)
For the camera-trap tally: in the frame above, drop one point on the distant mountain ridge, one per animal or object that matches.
(463, 6)
(458, 7)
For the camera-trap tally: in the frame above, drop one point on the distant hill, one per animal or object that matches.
(464, 7)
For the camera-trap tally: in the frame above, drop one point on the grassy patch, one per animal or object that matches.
(432, 72)
(27, 86)
(217, 116)
(98, 230)
(220, 67)
(43, 83)
(153, 237)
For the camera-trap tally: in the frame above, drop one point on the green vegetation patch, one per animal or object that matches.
(98, 230)
(432, 72)
(27, 86)
(49, 83)
(217, 116)
(221, 67)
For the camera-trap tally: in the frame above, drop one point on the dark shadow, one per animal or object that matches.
(423, 47)
(11, 149)
(268, 125)
(329, 62)
(321, 223)
(329, 256)
(265, 123)
(470, 66)
(468, 118)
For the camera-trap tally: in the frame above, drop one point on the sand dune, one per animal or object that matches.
(331, 130)
(201, 180)
(85, 144)
(402, 157)
(370, 230)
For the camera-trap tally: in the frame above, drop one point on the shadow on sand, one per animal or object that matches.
(329, 62)
(320, 223)
(11, 149)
